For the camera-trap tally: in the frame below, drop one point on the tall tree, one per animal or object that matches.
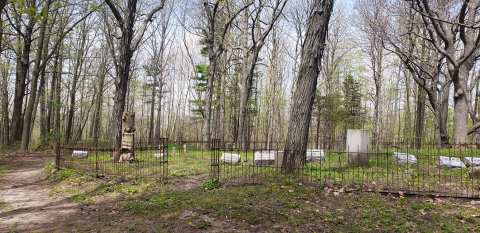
(425, 64)
(40, 63)
(22, 52)
(29, 111)
(215, 32)
(250, 59)
(124, 42)
(80, 51)
(373, 21)
(306, 84)
(452, 30)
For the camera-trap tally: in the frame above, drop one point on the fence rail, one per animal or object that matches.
(149, 162)
(453, 171)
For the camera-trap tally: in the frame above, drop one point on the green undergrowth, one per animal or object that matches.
(279, 205)
(297, 207)
(87, 189)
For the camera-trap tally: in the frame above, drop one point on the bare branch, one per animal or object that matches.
(115, 12)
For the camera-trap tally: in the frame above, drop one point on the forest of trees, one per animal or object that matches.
(290, 71)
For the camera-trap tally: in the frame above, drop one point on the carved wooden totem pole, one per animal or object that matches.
(127, 151)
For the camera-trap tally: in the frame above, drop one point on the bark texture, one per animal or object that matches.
(306, 84)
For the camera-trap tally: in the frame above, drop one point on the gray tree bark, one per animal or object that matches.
(29, 111)
(24, 44)
(126, 48)
(304, 94)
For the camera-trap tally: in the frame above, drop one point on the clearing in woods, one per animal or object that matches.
(72, 202)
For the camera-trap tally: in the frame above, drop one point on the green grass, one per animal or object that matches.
(381, 173)
(277, 205)
(303, 209)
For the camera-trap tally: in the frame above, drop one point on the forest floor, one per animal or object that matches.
(33, 200)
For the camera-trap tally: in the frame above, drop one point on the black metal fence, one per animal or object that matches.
(451, 172)
(149, 161)
(430, 170)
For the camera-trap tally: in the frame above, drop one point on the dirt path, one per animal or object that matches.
(26, 205)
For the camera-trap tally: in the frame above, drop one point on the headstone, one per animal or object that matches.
(79, 153)
(472, 161)
(127, 152)
(264, 158)
(404, 158)
(315, 155)
(357, 147)
(230, 158)
(450, 162)
(127, 141)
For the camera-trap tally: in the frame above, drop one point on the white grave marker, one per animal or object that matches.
(404, 158)
(264, 158)
(79, 153)
(450, 162)
(230, 158)
(357, 147)
(315, 155)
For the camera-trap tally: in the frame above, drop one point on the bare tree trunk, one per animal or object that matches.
(4, 130)
(460, 114)
(27, 122)
(152, 116)
(442, 117)
(419, 117)
(126, 48)
(57, 98)
(408, 114)
(317, 132)
(42, 92)
(23, 64)
(51, 99)
(304, 94)
(158, 125)
(79, 59)
(4, 69)
(97, 118)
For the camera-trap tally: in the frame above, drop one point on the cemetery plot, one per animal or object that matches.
(175, 160)
(388, 169)
(415, 170)
(102, 163)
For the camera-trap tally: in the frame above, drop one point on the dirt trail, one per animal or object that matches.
(25, 203)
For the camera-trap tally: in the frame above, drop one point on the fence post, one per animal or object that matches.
(215, 159)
